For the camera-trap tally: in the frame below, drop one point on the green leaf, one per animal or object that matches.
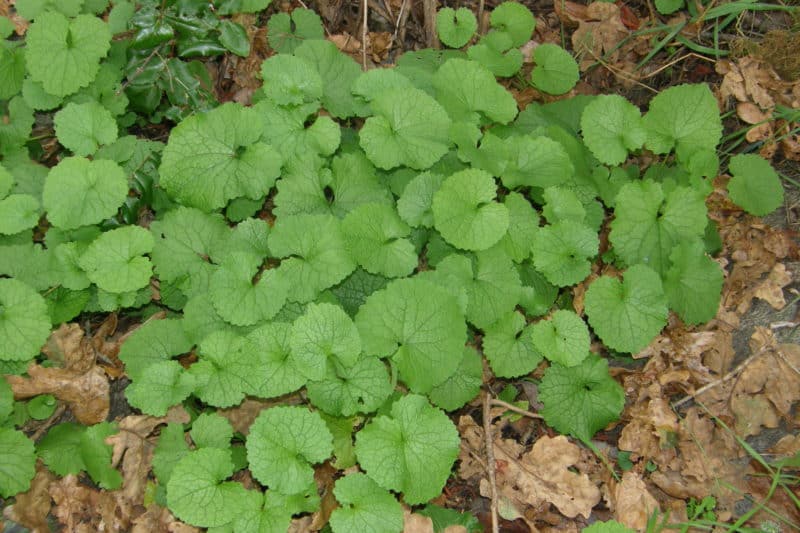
(562, 252)
(12, 71)
(354, 290)
(537, 294)
(276, 372)
(415, 204)
(612, 127)
(82, 128)
(455, 27)
(364, 507)
(237, 298)
(419, 325)
(231, 7)
(6, 399)
(154, 342)
(30, 9)
(114, 260)
(408, 128)
(96, 454)
(443, 517)
(627, 315)
(171, 448)
(463, 385)
(693, 284)
(18, 212)
(465, 211)
(337, 71)
(17, 462)
(495, 52)
(508, 346)
(580, 400)
(648, 223)
(324, 333)
(234, 37)
(522, 227)
(411, 451)
(36, 97)
(563, 339)
(375, 237)
(79, 192)
(612, 526)
(269, 512)
(536, 162)
(69, 448)
(224, 373)
(562, 204)
(315, 257)
(667, 7)
(514, 19)
(64, 55)
(186, 240)
(683, 117)
(468, 91)
(556, 71)
(755, 185)
(196, 493)
(282, 445)
(370, 84)
(211, 430)
(214, 157)
(285, 32)
(24, 323)
(345, 391)
(159, 386)
(290, 80)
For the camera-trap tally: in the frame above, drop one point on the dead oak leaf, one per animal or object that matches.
(633, 503)
(133, 449)
(31, 508)
(157, 519)
(84, 509)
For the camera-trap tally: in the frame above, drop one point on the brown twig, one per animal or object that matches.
(487, 436)
(364, 37)
(512, 407)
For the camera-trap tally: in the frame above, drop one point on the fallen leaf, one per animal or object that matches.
(80, 508)
(416, 523)
(134, 450)
(633, 503)
(599, 32)
(242, 416)
(31, 508)
(771, 289)
(158, 519)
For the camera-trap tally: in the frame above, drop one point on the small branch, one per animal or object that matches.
(519, 411)
(364, 37)
(487, 435)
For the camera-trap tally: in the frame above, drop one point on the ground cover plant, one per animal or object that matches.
(311, 281)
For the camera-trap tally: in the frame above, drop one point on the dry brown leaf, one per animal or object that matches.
(416, 523)
(132, 447)
(81, 508)
(346, 43)
(771, 289)
(242, 416)
(159, 520)
(598, 33)
(543, 475)
(471, 445)
(31, 508)
(633, 503)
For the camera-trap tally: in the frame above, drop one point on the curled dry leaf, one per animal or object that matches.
(83, 509)
(135, 451)
(31, 508)
(600, 30)
(158, 519)
(633, 503)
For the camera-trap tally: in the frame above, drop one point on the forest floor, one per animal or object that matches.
(709, 410)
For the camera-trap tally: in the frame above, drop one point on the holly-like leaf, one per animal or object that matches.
(114, 261)
(64, 54)
(419, 325)
(82, 128)
(455, 27)
(465, 211)
(324, 333)
(612, 127)
(508, 346)
(216, 156)
(564, 338)
(411, 451)
(364, 507)
(755, 185)
(282, 445)
(79, 192)
(24, 323)
(580, 400)
(627, 315)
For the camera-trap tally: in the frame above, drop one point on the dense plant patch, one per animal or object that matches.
(364, 238)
